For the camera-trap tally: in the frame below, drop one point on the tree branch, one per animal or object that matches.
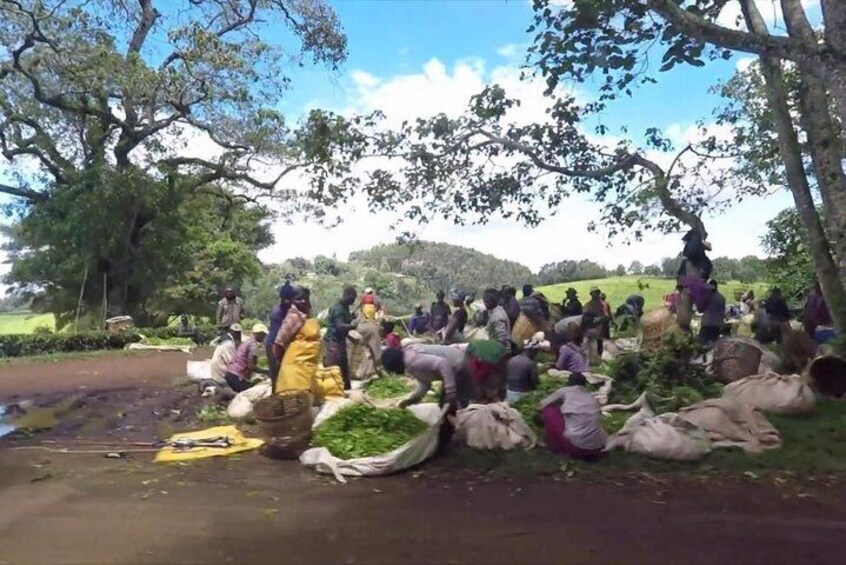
(20, 192)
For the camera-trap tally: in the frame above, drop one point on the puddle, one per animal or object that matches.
(4, 428)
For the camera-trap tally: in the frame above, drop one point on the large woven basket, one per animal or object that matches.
(735, 359)
(283, 415)
(655, 325)
(828, 373)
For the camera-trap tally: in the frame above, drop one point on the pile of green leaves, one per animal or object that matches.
(365, 431)
(388, 387)
(669, 376)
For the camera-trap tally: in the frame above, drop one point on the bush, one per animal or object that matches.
(23, 345)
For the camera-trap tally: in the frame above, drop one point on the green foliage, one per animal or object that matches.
(669, 376)
(364, 431)
(213, 414)
(790, 264)
(441, 266)
(389, 387)
(569, 270)
(41, 344)
(145, 125)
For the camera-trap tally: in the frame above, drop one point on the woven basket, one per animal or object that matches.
(284, 414)
(655, 325)
(828, 374)
(735, 359)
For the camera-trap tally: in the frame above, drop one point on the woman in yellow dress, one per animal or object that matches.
(298, 343)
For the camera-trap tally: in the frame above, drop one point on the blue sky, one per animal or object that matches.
(413, 56)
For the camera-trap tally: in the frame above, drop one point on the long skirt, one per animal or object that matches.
(554, 426)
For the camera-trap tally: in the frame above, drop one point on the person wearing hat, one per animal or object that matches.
(241, 367)
(595, 324)
(286, 295)
(419, 322)
(454, 332)
(521, 373)
(572, 306)
(230, 309)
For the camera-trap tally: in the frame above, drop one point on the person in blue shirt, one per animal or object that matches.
(419, 323)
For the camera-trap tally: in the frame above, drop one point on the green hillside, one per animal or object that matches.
(24, 322)
(620, 288)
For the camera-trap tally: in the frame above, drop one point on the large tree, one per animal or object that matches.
(113, 110)
(615, 36)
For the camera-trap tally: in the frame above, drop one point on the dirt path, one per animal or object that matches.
(92, 510)
(108, 371)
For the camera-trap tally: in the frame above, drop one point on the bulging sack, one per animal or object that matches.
(730, 422)
(493, 426)
(667, 436)
(408, 455)
(788, 395)
(241, 406)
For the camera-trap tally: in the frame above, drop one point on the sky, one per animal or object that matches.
(413, 58)
(420, 57)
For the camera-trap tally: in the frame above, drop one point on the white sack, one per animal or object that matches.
(770, 392)
(493, 426)
(241, 406)
(667, 436)
(407, 455)
(730, 422)
(198, 371)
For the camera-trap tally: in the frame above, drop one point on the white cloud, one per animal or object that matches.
(436, 87)
(731, 15)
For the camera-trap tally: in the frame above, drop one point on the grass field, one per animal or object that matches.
(653, 291)
(24, 322)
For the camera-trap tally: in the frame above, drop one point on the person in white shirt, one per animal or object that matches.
(572, 420)
(224, 352)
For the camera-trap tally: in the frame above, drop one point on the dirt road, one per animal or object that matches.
(108, 371)
(64, 508)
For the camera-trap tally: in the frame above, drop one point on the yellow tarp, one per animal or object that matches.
(239, 444)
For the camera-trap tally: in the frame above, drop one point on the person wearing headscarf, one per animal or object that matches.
(277, 315)
(419, 322)
(299, 338)
(454, 331)
(368, 327)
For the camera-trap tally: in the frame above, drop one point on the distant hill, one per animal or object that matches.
(441, 266)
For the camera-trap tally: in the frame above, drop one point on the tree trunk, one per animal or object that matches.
(826, 145)
(788, 143)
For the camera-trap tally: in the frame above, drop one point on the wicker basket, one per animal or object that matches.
(828, 374)
(283, 415)
(735, 359)
(656, 324)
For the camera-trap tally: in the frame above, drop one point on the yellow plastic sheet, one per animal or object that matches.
(239, 444)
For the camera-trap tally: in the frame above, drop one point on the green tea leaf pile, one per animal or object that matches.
(364, 431)
(388, 387)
